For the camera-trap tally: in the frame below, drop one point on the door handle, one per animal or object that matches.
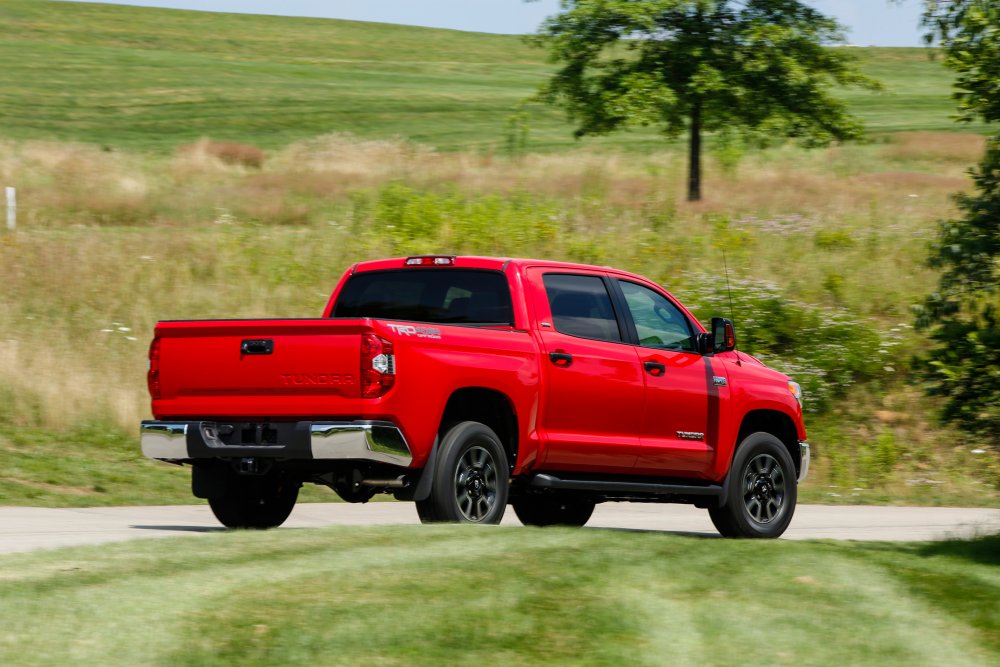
(561, 359)
(655, 368)
(257, 346)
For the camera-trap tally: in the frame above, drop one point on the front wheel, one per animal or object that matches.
(470, 482)
(544, 511)
(762, 490)
(255, 502)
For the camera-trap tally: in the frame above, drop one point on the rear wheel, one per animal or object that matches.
(762, 490)
(470, 482)
(545, 511)
(255, 502)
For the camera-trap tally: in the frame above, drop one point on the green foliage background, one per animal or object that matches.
(962, 314)
(124, 221)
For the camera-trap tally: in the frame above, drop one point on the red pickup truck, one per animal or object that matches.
(467, 383)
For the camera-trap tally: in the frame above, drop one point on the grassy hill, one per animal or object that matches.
(145, 78)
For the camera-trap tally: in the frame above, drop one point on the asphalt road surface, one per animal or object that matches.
(27, 528)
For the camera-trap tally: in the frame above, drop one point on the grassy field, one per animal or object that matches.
(459, 595)
(111, 242)
(124, 219)
(154, 79)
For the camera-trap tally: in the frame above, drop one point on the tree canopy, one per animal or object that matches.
(963, 315)
(758, 66)
(969, 33)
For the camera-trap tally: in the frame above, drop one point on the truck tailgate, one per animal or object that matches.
(259, 368)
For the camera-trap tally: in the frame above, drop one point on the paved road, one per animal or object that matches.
(28, 528)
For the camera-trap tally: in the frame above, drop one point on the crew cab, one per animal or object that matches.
(465, 384)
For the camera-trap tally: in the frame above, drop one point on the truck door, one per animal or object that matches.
(592, 384)
(680, 420)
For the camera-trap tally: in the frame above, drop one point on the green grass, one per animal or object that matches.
(95, 465)
(461, 595)
(154, 79)
(111, 242)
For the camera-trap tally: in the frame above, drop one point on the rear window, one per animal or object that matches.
(581, 306)
(440, 296)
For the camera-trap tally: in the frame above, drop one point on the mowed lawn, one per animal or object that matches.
(453, 595)
(141, 78)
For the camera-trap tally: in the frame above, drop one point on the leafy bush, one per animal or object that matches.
(414, 221)
(825, 349)
(962, 314)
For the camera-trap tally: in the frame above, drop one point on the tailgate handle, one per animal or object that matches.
(257, 346)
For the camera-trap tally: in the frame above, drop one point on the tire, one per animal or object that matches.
(255, 502)
(470, 481)
(547, 511)
(762, 490)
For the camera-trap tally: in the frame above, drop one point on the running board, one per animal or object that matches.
(546, 481)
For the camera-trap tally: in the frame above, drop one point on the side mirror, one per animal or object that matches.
(723, 335)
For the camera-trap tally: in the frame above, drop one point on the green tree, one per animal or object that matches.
(969, 33)
(758, 66)
(963, 315)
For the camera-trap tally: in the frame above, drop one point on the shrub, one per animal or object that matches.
(421, 221)
(825, 349)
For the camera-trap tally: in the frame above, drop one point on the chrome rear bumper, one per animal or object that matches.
(377, 441)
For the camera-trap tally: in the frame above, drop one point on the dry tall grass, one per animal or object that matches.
(227, 152)
(111, 242)
(953, 147)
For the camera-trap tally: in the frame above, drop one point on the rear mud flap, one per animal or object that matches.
(422, 489)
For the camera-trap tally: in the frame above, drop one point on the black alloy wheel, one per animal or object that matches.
(762, 490)
(470, 481)
(476, 484)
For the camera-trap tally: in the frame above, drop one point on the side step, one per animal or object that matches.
(549, 481)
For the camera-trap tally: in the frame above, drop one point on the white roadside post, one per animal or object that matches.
(11, 208)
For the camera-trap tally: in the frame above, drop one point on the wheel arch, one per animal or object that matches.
(778, 424)
(487, 406)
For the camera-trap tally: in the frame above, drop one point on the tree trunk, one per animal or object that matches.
(694, 154)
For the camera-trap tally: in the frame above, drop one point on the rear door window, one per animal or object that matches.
(581, 306)
(439, 296)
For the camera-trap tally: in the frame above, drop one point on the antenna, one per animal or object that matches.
(725, 264)
(729, 290)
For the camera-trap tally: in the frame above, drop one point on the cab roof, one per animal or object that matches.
(475, 262)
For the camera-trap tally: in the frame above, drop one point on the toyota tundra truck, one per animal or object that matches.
(464, 384)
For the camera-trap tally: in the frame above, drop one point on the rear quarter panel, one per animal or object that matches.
(430, 369)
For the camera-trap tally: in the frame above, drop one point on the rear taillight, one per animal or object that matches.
(378, 366)
(153, 376)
